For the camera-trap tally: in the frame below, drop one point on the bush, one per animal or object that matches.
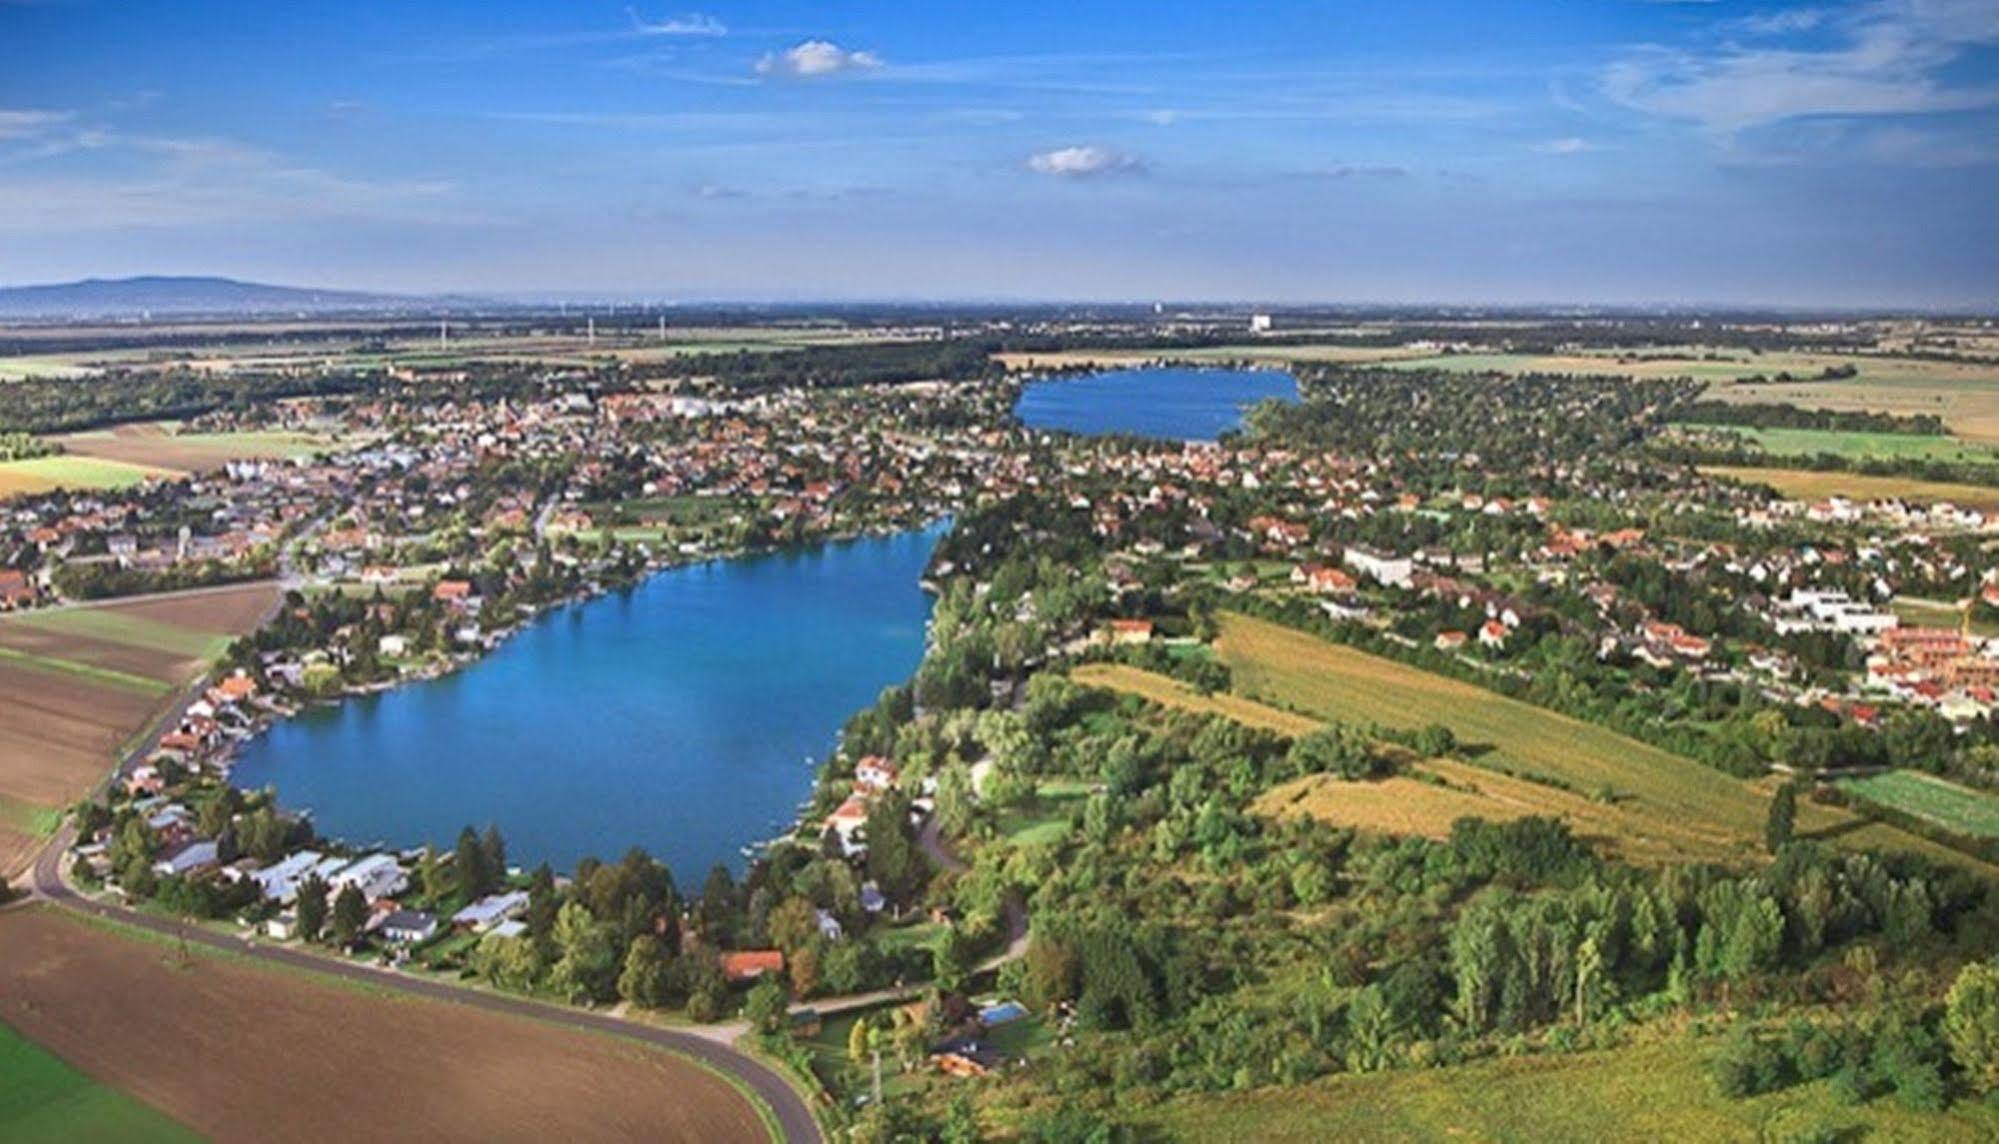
(1749, 1066)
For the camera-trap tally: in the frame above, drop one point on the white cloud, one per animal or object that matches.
(1568, 146)
(1083, 162)
(1161, 117)
(691, 24)
(817, 58)
(1890, 57)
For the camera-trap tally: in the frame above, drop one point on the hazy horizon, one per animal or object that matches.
(1642, 153)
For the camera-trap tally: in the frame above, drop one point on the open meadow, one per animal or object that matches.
(1640, 1093)
(82, 682)
(1947, 805)
(239, 1051)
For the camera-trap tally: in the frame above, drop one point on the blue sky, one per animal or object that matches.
(1499, 151)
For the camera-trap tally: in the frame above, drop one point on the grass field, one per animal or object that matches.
(1883, 446)
(1955, 808)
(1641, 1093)
(1809, 485)
(45, 1099)
(42, 474)
(240, 1051)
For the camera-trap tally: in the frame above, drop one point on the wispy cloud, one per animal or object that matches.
(21, 124)
(691, 24)
(817, 59)
(1570, 145)
(1085, 162)
(104, 180)
(1890, 57)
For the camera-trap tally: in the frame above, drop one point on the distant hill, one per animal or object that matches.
(185, 296)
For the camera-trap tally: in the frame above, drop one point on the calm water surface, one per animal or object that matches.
(1173, 403)
(678, 716)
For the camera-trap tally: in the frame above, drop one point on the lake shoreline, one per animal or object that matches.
(492, 642)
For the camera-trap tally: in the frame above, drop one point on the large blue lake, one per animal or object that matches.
(679, 716)
(1170, 402)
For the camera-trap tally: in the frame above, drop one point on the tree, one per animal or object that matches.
(468, 864)
(804, 968)
(858, 1041)
(893, 861)
(1783, 820)
(311, 907)
(793, 923)
(493, 849)
(350, 913)
(586, 956)
(766, 1005)
(433, 875)
(643, 981)
(954, 798)
(1971, 1024)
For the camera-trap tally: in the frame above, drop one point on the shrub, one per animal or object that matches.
(1749, 1066)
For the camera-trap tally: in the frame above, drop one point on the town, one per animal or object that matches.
(910, 930)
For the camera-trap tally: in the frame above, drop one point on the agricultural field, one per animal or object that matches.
(238, 1051)
(23, 366)
(1648, 805)
(1639, 1093)
(82, 682)
(1859, 446)
(1957, 809)
(45, 1099)
(160, 445)
(45, 474)
(1965, 395)
(1811, 485)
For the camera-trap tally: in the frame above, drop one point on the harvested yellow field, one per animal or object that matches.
(1671, 804)
(1405, 805)
(1808, 484)
(1173, 693)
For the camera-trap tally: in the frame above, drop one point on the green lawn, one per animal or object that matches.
(1045, 818)
(41, 1098)
(1642, 1093)
(1955, 808)
(121, 627)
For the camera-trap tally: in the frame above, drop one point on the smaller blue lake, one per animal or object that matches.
(684, 716)
(1173, 403)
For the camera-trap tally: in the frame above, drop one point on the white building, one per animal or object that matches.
(1381, 567)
